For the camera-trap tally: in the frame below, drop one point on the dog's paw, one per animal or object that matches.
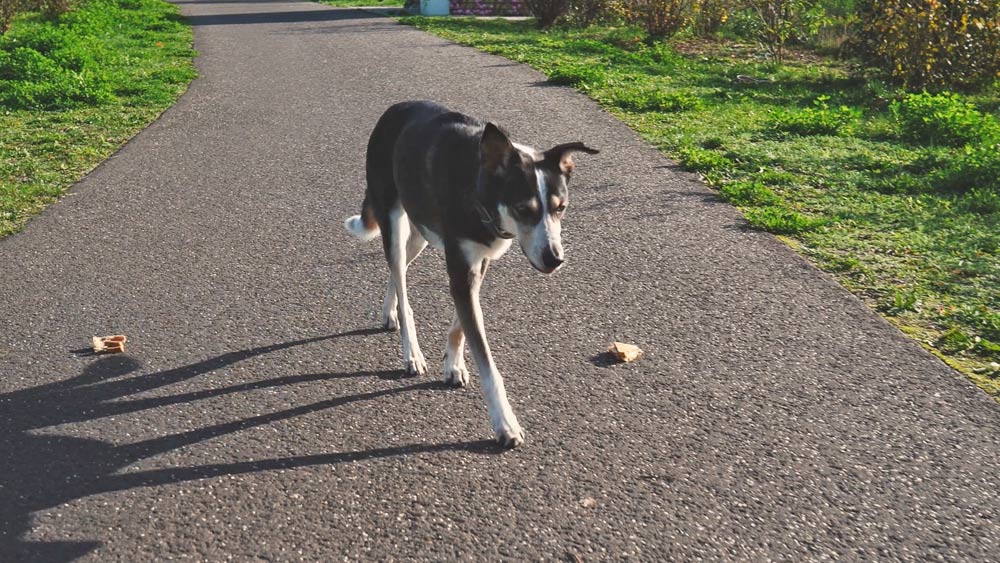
(415, 364)
(456, 376)
(510, 436)
(390, 322)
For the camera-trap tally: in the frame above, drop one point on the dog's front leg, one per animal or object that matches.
(465, 281)
(455, 372)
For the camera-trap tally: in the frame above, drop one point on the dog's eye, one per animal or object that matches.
(523, 209)
(560, 209)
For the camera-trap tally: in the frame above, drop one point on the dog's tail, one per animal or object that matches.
(364, 226)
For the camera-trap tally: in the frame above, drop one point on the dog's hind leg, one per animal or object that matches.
(405, 244)
(415, 244)
(465, 281)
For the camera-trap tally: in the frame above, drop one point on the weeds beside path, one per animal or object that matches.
(74, 89)
(898, 197)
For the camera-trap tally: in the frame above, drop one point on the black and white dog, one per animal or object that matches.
(444, 178)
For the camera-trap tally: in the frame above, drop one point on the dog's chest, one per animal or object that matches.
(475, 252)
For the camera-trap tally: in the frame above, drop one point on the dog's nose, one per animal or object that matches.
(551, 261)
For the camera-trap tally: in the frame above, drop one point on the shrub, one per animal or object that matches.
(660, 18)
(9, 9)
(743, 23)
(929, 44)
(52, 8)
(48, 8)
(944, 119)
(546, 12)
(710, 15)
(586, 12)
(784, 20)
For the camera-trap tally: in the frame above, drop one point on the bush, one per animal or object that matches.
(51, 8)
(944, 119)
(546, 12)
(9, 9)
(711, 15)
(48, 8)
(783, 20)
(929, 44)
(583, 13)
(660, 18)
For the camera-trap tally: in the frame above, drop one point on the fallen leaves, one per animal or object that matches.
(114, 344)
(625, 352)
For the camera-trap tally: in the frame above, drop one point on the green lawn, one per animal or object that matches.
(894, 205)
(72, 91)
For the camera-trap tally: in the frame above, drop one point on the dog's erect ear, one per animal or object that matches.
(494, 149)
(561, 155)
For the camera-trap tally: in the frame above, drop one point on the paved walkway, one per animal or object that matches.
(259, 415)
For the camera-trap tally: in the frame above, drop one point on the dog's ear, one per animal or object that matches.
(494, 149)
(562, 155)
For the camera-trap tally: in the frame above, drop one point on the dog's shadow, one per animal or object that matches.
(43, 471)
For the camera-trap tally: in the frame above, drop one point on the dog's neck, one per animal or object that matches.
(489, 220)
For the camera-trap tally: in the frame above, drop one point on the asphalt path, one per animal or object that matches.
(260, 415)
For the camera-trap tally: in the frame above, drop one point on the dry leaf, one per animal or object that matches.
(625, 352)
(109, 344)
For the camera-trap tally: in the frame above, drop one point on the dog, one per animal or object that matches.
(441, 177)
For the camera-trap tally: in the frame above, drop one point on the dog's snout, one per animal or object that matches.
(552, 259)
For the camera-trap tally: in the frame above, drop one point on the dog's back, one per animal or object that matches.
(416, 150)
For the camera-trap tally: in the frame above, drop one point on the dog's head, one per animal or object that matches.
(530, 191)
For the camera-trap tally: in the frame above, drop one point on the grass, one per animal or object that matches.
(897, 196)
(74, 89)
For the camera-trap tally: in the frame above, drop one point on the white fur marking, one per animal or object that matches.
(475, 252)
(546, 234)
(356, 227)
